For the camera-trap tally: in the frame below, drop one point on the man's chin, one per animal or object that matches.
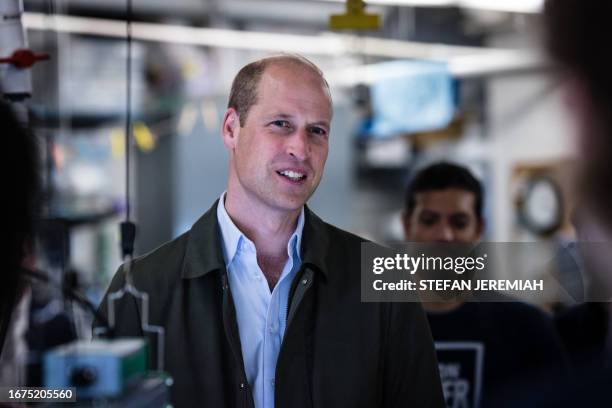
(290, 202)
(290, 205)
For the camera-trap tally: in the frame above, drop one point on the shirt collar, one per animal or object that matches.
(232, 237)
(204, 247)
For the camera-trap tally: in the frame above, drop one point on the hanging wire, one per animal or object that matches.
(128, 228)
(128, 113)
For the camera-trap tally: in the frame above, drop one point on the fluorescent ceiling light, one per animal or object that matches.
(463, 61)
(410, 3)
(167, 33)
(330, 44)
(513, 6)
(461, 66)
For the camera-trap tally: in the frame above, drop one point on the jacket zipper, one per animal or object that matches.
(298, 290)
(231, 336)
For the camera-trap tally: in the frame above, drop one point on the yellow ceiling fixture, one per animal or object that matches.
(355, 18)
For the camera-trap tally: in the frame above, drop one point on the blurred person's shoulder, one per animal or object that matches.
(513, 317)
(14, 351)
(589, 315)
(509, 309)
(583, 329)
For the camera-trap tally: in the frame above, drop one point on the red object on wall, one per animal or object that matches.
(24, 58)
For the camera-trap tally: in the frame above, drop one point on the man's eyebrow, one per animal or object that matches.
(281, 115)
(429, 212)
(323, 123)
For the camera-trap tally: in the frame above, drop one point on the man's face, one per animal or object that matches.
(443, 216)
(277, 157)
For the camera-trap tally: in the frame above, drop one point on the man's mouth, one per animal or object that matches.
(294, 176)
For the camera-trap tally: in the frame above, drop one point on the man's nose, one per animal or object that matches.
(445, 233)
(298, 145)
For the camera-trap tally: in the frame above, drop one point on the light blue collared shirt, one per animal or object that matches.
(261, 315)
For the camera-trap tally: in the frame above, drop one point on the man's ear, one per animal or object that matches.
(481, 228)
(230, 128)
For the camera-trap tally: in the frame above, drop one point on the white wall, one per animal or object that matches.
(527, 122)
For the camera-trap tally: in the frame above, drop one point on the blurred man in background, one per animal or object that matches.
(484, 349)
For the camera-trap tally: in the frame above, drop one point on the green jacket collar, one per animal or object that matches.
(204, 252)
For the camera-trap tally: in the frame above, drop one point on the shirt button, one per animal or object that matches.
(272, 382)
(272, 329)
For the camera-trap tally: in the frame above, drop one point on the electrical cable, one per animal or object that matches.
(127, 227)
(128, 113)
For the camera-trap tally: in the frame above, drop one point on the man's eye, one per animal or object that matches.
(282, 124)
(460, 222)
(318, 131)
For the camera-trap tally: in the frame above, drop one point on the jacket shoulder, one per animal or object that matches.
(160, 266)
(344, 236)
(335, 234)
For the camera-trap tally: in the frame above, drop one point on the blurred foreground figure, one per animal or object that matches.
(20, 190)
(577, 35)
(487, 351)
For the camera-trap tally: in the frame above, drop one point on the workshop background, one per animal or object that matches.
(460, 80)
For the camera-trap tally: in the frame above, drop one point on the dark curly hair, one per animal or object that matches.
(441, 176)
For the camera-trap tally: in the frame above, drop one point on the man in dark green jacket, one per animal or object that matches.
(260, 300)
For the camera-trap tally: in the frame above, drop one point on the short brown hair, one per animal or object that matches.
(243, 94)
